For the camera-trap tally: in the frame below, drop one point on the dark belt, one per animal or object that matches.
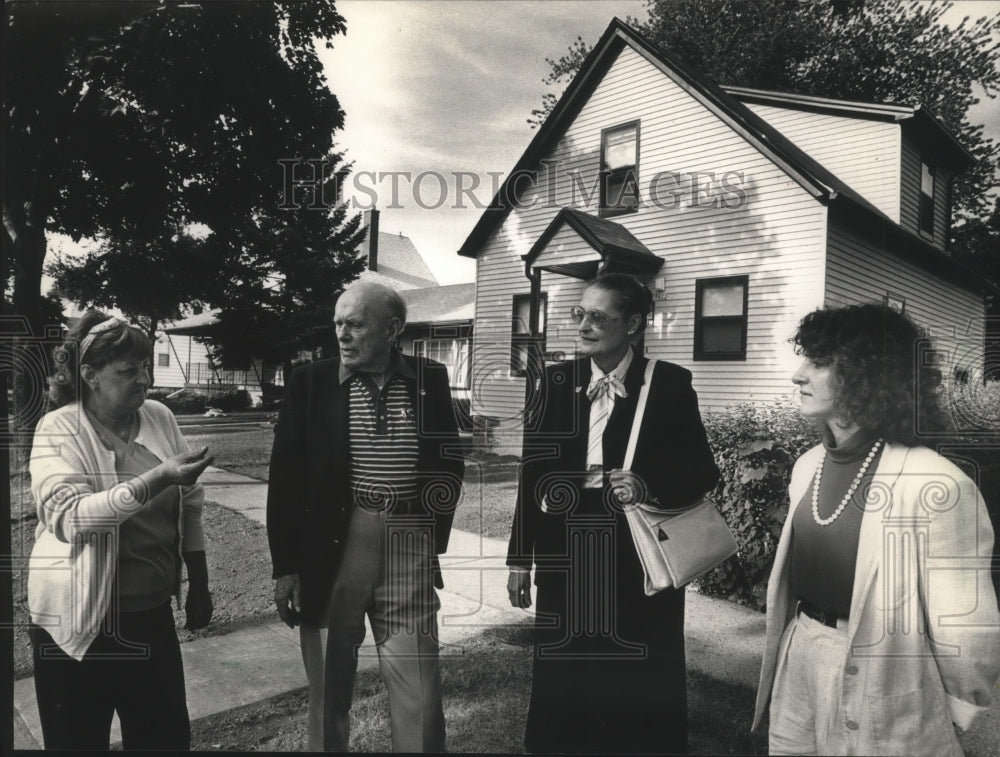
(826, 618)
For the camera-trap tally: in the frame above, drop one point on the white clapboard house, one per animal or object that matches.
(742, 209)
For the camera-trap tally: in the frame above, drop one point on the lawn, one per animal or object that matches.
(245, 450)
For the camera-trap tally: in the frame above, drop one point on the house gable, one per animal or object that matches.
(875, 148)
(713, 205)
(862, 152)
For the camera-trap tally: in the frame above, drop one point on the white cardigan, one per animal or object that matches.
(924, 629)
(80, 504)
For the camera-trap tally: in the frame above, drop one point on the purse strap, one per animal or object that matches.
(640, 410)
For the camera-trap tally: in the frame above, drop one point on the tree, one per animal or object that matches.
(147, 280)
(145, 116)
(293, 263)
(876, 51)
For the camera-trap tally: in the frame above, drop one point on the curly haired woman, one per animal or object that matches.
(882, 622)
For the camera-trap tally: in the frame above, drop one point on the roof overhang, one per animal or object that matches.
(610, 248)
(202, 324)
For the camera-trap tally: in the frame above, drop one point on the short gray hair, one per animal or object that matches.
(386, 299)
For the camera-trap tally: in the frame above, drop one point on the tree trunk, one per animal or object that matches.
(33, 340)
(151, 335)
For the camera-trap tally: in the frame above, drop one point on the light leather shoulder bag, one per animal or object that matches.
(674, 546)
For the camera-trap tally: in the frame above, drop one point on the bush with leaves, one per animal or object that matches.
(755, 448)
(228, 402)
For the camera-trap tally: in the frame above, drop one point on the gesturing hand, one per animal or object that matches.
(185, 468)
(287, 593)
(519, 588)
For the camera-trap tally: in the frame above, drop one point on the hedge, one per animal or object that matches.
(755, 448)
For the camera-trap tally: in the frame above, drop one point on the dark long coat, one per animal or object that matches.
(609, 670)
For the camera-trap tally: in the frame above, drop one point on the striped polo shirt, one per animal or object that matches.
(383, 439)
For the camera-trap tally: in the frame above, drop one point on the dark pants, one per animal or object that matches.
(135, 670)
(609, 668)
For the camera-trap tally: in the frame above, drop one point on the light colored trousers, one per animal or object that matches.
(386, 574)
(804, 699)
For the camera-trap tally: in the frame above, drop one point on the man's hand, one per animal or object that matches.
(287, 594)
(519, 587)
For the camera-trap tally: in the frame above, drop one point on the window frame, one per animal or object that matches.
(700, 286)
(162, 359)
(895, 302)
(605, 174)
(925, 208)
(518, 344)
(421, 348)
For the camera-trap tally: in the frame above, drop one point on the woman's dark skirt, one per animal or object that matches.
(609, 668)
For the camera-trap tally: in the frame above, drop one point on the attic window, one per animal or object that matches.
(926, 198)
(619, 169)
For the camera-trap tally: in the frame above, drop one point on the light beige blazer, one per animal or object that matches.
(924, 629)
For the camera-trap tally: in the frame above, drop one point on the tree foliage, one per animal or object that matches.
(291, 265)
(130, 121)
(147, 280)
(873, 51)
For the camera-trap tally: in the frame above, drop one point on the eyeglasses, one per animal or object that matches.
(596, 317)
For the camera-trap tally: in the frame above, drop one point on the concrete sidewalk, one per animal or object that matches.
(724, 640)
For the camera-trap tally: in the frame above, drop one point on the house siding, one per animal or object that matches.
(860, 152)
(860, 272)
(725, 210)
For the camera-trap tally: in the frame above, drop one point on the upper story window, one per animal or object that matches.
(720, 318)
(520, 331)
(926, 198)
(619, 169)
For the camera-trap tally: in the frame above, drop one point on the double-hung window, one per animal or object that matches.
(620, 169)
(520, 331)
(927, 198)
(720, 327)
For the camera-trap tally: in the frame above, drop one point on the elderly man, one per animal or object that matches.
(365, 475)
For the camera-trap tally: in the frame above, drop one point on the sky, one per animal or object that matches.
(444, 88)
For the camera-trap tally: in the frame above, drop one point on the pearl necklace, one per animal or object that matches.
(850, 492)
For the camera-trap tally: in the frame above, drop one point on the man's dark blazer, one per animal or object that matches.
(309, 497)
(672, 458)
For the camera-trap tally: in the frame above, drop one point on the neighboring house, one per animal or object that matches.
(743, 210)
(439, 326)
(439, 323)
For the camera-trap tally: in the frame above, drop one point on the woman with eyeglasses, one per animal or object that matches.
(882, 622)
(609, 667)
(119, 508)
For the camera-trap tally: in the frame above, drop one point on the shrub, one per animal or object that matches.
(755, 448)
(228, 402)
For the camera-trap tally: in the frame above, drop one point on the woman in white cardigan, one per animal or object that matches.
(882, 621)
(119, 507)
